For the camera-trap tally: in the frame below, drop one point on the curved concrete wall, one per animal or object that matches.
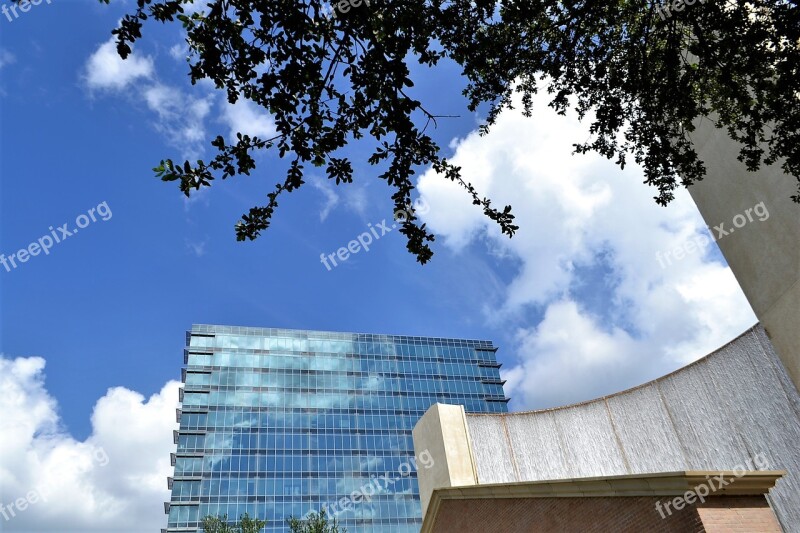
(736, 405)
(763, 254)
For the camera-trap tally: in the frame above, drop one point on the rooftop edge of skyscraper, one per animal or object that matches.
(343, 335)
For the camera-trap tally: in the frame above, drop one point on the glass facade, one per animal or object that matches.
(277, 423)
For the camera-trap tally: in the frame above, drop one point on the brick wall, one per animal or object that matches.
(549, 515)
(729, 514)
(601, 515)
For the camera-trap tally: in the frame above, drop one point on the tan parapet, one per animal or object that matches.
(442, 431)
(764, 254)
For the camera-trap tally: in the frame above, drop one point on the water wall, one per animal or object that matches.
(735, 408)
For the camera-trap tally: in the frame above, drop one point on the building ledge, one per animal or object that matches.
(727, 483)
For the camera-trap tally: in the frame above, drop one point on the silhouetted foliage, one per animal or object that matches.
(217, 524)
(314, 523)
(641, 76)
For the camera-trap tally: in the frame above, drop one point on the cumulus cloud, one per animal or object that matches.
(571, 341)
(115, 480)
(106, 70)
(181, 118)
(245, 117)
(592, 309)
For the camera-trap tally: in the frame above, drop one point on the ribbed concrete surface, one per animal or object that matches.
(735, 405)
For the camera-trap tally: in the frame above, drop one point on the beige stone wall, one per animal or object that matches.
(763, 255)
(738, 514)
(736, 408)
(442, 431)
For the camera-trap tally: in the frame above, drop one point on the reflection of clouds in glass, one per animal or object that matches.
(243, 420)
(273, 379)
(248, 379)
(373, 382)
(219, 441)
(188, 466)
(331, 400)
(343, 413)
(387, 348)
(296, 400)
(400, 493)
(367, 401)
(217, 462)
(354, 464)
(237, 398)
(414, 511)
(350, 484)
(370, 463)
(201, 342)
(328, 363)
(271, 399)
(195, 399)
(277, 343)
(365, 510)
(331, 346)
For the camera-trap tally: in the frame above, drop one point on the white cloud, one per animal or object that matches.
(594, 311)
(197, 248)
(331, 198)
(106, 70)
(245, 117)
(115, 480)
(569, 344)
(181, 118)
(196, 6)
(355, 198)
(6, 58)
(179, 52)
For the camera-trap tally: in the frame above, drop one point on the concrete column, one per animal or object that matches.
(442, 431)
(764, 255)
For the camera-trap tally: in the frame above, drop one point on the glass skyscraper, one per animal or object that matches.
(277, 423)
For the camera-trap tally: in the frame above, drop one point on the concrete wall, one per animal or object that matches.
(764, 256)
(736, 408)
(442, 431)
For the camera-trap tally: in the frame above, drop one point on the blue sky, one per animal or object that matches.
(109, 306)
(577, 301)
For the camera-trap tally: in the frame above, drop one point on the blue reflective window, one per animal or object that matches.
(273, 448)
